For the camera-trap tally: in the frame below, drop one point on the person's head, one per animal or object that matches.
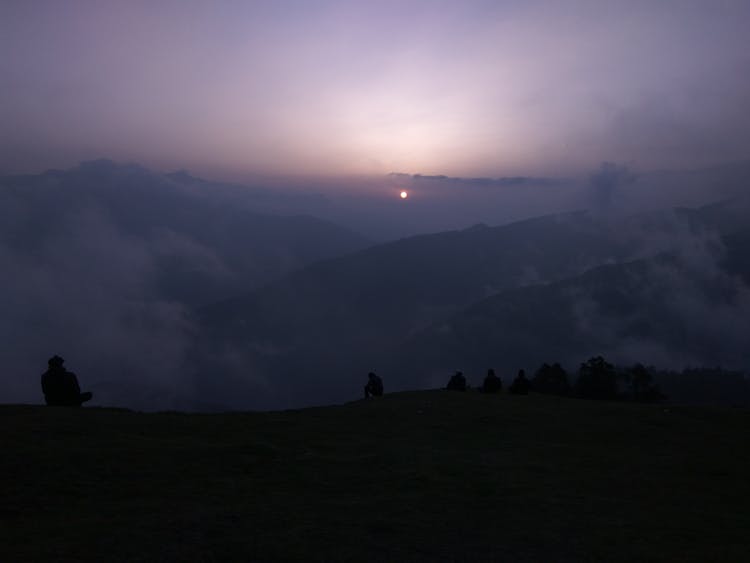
(55, 361)
(521, 373)
(371, 375)
(491, 372)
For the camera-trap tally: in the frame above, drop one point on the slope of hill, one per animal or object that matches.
(673, 311)
(304, 334)
(353, 310)
(424, 476)
(103, 263)
(207, 240)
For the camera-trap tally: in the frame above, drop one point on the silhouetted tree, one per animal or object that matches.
(551, 379)
(641, 386)
(597, 379)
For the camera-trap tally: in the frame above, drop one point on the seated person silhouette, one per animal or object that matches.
(492, 383)
(374, 386)
(60, 386)
(457, 382)
(520, 385)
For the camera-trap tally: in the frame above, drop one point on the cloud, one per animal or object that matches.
(607, 181)
(688, 310)
(104, 265)
(84, 292)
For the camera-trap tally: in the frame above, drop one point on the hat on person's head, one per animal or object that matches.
(55, 361)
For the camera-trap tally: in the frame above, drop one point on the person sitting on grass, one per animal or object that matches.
(492, 383)
(60, 386)
(457, 382)
(374, 386)
(520, 385)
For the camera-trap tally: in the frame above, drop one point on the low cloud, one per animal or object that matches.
(690, 310)
(84, 292)
(606, 183)
(106, 264)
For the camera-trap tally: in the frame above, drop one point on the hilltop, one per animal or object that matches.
(415, 476)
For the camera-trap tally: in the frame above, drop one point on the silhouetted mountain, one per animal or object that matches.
(672, 310)
(314, 328)
(103, 264)
(208, 239)
(392, 289)
(481, 181)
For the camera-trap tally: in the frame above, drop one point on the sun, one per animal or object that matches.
(404, 195)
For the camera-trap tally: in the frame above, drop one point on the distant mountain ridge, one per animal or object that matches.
(660, 311)
(377, 306)
(210, 240)
(166, 290)
(482, 181)
(104, 263)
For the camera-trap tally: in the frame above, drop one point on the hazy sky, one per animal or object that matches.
(234, 88)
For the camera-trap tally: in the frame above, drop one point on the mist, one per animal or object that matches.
(103, 264)
(114, 267)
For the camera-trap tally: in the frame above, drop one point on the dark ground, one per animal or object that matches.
(419, 476)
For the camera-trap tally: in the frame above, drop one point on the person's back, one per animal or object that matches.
(60, 386)
(492, 383)
(520, 385)
(457, 382)
(374, 386)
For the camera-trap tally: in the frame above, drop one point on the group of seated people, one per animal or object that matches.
(492, 383)
(61, 388)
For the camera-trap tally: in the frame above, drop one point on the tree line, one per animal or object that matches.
(596, 378)
(599, 379)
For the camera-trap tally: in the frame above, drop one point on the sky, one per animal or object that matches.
(233, 89)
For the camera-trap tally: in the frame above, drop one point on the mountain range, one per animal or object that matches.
(103, 264)
(667, 287)
(166, 290)
(208, 240)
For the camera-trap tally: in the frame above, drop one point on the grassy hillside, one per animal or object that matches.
(419, 476)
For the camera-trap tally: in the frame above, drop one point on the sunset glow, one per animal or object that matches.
(475, 88)
(404, 195)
